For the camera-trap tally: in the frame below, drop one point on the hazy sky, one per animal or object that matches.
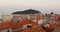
(45, 6)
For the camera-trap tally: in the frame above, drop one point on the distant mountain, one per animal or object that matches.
(29, 11)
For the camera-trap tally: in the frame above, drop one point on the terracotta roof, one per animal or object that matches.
(5, 25)
(24, 22)
(16, 25)
(12, 25)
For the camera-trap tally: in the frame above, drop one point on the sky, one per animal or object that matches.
(45, 6)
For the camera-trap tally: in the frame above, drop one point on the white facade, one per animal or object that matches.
(7, 18)
(18, 17)
(40, 21)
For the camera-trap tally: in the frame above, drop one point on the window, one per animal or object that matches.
(28, 26)
(7, 30)
(59, 18)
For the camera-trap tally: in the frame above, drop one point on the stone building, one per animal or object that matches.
(31, 14)
(14, 21)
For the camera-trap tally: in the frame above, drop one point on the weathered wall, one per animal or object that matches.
(7, 17)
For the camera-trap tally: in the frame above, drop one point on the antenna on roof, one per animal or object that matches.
(52, 13)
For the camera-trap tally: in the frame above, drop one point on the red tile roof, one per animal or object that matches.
(16, 25)
(12, 25)
(5, 25)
